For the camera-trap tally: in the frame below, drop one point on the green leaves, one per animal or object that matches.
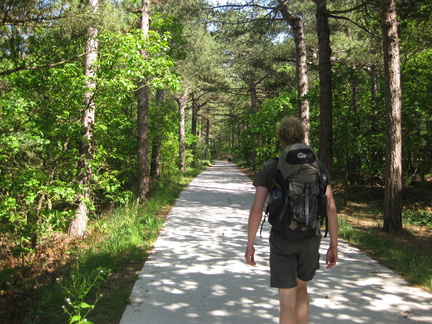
(121, 64)
(77, 289)
(261, 132)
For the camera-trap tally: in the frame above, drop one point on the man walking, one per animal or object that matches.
(292, 262)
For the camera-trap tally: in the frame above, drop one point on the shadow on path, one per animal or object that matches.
(196, 272)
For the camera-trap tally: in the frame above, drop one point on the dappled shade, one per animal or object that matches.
(197, 274)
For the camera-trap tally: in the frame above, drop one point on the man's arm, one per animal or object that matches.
(255, 216)
(333, 228)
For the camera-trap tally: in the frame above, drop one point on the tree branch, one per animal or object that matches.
(351, 21)
(338, 12)
(32, 68)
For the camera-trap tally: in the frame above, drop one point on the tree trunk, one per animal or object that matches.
(301, 64)
(207, 138)
(155, 165)
(254, 110)
(325, 81)
(143, 123)
(377, 154)
(393, 102)
(375, 99)
(181, 100)
(78, 226)
(194, 127)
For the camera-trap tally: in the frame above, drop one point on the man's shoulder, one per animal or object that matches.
(270, 164)
(265, 173)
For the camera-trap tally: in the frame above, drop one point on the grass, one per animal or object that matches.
(93, 278)
(402, 252)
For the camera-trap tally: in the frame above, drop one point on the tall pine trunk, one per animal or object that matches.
(325, 81)
(78, 226)
(301, 63)
(393, 103)
(143, 160)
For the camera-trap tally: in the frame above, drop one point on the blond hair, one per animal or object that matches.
(290, 131)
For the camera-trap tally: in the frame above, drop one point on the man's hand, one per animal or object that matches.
(331, 257)
(249, 255)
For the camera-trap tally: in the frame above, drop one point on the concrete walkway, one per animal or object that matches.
(197, 274)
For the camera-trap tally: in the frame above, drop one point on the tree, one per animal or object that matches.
(301, 63)
(325, 80)
(393, 102)
(155, 164)
(182, 100)
(143, 112)
(78, 225)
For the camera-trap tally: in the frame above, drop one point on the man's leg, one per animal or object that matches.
(302, 302)
(287, 303)
(294, 304)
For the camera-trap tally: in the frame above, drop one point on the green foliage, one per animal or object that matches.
(260, 134)
(417, 114)
(220, 62)
(117, 242)
(358, 146)
(121, 64)
(77, 288)
(40, 131)
(416, 214)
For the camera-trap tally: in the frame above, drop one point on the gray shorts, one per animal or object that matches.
(292, 260)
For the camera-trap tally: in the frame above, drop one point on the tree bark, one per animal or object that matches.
(194, 127)
(254, 109)
(155, 165)
(393, 103)
(143, 123)
(181, 100)
(207, 138)
(301, 64)
(325, 81)
(78, 226)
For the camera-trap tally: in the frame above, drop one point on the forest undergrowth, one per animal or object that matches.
(103, 270)
(407, 252)
(86, 280)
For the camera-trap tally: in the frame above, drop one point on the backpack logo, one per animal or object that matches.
(301, 155)
(298, 206)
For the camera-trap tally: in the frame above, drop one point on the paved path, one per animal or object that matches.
(196, 272)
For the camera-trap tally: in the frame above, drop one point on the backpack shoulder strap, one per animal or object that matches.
(274, 178)
(323, 187)
(322, 175)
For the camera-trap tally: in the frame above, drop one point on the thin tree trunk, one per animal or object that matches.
(78, 226)
(377, 154)
(375, 99)
(181, 100)
(143, 123)
(155, 166)
(393, 102)
(207, 138)
(325, 81)
(254, 110)
(195, 110)
(301, 64)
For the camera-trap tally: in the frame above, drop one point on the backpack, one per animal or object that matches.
(297, 206)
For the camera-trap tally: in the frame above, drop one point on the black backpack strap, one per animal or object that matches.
(272, 187)
(323, 187)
